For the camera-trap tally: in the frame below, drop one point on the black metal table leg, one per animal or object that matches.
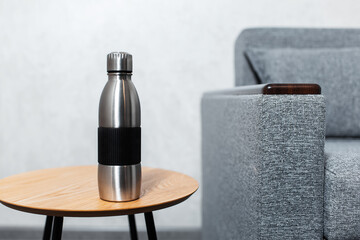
(57, 228)
(48, 227)
(150, 226)
(132, 225)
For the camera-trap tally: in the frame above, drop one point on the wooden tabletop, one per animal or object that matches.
(73, 191)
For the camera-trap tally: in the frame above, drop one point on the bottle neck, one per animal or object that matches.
(119, 76)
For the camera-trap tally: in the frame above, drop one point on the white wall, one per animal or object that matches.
(52, 71)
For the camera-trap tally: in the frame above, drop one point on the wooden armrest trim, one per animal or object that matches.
(272, 89)
(297, 89)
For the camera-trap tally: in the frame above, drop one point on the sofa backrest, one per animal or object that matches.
(270, 38)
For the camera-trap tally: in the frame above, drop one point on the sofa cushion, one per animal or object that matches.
(342, 189)
(337, 71)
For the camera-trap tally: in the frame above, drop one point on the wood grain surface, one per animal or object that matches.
(294, 89)
(73, 191)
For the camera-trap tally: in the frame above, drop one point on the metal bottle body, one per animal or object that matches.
(119, 108)
(119, 102)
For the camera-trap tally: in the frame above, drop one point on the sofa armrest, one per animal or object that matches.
(263, 164)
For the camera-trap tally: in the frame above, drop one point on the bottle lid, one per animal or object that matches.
(119, 62)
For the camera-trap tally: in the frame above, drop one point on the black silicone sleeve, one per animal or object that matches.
(119, 146)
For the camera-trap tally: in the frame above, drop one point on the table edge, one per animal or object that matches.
(101, 213)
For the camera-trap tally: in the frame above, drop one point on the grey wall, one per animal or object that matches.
(52, 70)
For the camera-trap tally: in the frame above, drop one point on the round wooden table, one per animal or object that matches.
(73, 192)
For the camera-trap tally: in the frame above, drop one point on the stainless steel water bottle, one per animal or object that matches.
(119, 133)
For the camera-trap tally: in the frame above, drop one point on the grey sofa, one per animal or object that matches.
(285, 166)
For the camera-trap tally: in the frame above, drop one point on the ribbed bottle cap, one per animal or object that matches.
(119, 62)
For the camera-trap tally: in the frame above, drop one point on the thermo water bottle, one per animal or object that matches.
(119, 133)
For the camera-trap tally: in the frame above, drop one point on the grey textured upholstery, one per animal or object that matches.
(263, 166)
(337, 71)
(342, 189)
(287, 38)
(263, 156)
